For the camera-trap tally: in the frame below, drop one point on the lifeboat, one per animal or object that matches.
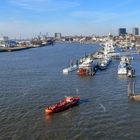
(68, 102)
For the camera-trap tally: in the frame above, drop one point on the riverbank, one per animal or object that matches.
(19, 48)
(2, 49)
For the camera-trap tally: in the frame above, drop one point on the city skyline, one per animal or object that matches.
(76, 17)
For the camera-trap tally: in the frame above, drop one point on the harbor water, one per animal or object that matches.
(32, 79)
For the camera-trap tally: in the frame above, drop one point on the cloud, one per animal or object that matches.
(44, 5)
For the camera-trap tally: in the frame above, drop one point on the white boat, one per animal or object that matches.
(87, 67)
(104, 62)
(86, 63)
(122, 69)
(69, 69)
(109, 47)
(124, 65)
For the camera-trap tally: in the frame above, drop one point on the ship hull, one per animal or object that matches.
(63, 105)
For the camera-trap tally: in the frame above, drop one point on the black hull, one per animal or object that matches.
(102, 68)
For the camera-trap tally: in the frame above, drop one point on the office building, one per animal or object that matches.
(57, 36)
(135, 31)
(122, 31)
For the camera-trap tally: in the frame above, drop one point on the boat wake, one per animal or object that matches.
(77, 90)
(103, 107)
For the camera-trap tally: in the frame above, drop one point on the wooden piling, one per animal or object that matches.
(131, 91)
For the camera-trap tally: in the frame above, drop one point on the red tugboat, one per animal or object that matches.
(68, 102)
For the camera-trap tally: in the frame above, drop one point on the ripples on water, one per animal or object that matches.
(32, 79)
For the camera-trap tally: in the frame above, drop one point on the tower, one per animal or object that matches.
(122, 31)
(135, 31)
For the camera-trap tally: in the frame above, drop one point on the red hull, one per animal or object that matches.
(63, 105)
(83, 71)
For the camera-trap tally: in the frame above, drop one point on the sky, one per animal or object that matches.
(27, 18)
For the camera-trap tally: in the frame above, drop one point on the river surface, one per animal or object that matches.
(32, 79)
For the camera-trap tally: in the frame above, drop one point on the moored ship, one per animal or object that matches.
(88, 67)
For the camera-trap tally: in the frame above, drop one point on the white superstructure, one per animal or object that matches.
(69, 69)
(122, 69)
(123, 66)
